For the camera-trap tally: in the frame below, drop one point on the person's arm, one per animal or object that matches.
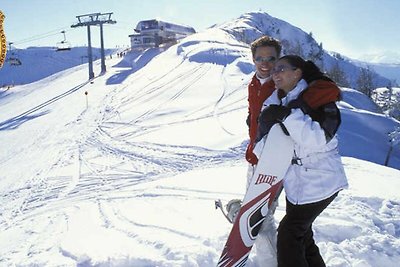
(331, 120)
(313, 132)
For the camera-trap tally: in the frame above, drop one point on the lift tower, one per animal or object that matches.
(94, 20)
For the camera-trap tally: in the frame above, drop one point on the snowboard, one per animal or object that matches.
(266, 183)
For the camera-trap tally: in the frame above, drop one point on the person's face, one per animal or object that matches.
(264, 59)
(285, 76)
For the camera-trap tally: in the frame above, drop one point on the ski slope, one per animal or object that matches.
(127, 174)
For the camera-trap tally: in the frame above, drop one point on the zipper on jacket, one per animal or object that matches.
(298, 174)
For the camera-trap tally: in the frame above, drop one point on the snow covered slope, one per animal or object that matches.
(40, 62)
(127, 174)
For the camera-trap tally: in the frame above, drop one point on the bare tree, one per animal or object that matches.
(337, 74)
(389, 102)
(365, 81)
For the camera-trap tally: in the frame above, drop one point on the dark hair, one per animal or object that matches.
(310, 71)
(266, 41)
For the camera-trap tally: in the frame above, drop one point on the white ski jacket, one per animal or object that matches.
(317, 171)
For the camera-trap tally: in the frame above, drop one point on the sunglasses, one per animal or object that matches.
(281, 68)
(269, 59)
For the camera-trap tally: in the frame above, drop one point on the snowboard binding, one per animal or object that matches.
(231, 209)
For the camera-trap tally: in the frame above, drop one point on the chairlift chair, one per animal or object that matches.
(64, 45)
(14, 61)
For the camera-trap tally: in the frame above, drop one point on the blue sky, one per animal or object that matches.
(350, 27)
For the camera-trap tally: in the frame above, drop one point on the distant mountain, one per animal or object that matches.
(252, 25)
(385, 58)
(390, 71)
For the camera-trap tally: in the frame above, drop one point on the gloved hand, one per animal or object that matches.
(233, 208)
(268, 117)
(276, 113)
(248, 121)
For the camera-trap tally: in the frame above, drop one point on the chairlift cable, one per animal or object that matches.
(41, 36)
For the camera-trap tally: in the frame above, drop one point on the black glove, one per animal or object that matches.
(248, 120)
(275, 113)
(269, 116)
(263, 129)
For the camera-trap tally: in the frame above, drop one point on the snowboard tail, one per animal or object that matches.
(265, 186)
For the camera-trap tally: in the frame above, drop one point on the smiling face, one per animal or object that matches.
(285, 76)
(264, 59)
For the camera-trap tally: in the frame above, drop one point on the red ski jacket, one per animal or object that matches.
(321, 92)
(257, 94)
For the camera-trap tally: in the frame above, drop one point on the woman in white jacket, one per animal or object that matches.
(316, 175)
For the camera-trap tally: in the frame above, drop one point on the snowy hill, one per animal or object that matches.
(127, 174)
(39, 62)
(295, 41)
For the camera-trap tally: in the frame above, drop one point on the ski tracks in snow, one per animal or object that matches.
(104, 162)
(107, 188)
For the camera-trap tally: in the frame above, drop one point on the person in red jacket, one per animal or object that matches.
(265, 51)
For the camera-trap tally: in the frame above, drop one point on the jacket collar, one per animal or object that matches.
(293, 94)
(262, 80)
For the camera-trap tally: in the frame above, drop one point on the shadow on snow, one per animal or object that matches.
(28, 115)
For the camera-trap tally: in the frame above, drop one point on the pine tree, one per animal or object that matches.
(292, 48)
(310, 37)
(297, 49)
